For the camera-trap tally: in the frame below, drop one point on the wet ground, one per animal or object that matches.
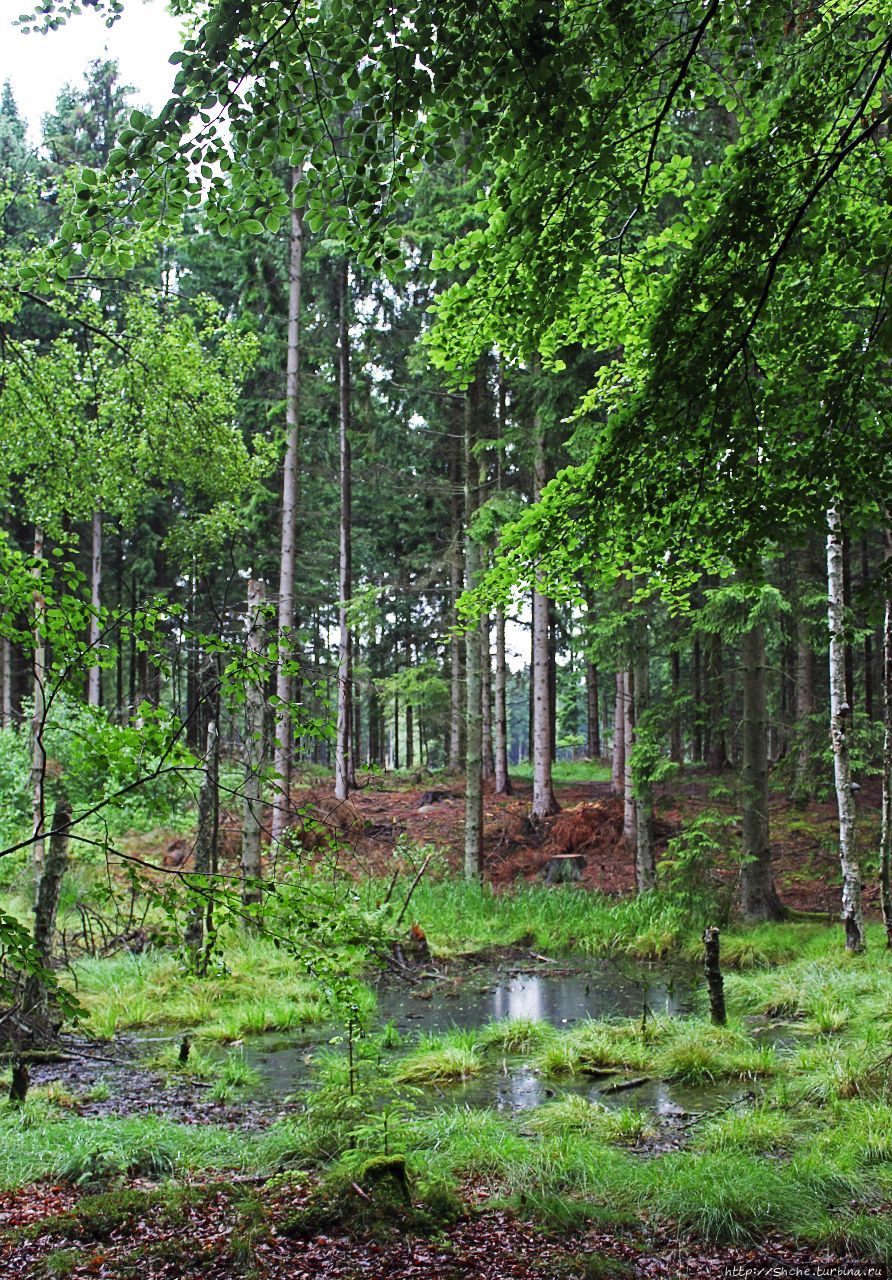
(115, 1078)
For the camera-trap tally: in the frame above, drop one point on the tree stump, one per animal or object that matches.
(714, 980)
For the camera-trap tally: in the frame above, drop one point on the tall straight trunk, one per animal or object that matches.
(38, 716)
(486, 697)
(345, 773)
(847, 603)
(5, 684)
(593, 723)
(628, 710)
(544, 801)
(804, 695)
(253, 750)
(473, 662)
(288, 541)
(676, 743)
(200, 922)
(758, 896)
(552, 680)
(94, 675)
(645, 857)
(840, 719)
(410, 736)
(500, 737)
(886, 827)
(618, 771)
(717, 748)
(697, 695)
(500, 709)
(396, 730)
(357, 726)
(456, 573)
(868, 634)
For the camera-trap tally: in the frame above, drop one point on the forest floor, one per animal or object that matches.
(221, 1230)
(429, 811)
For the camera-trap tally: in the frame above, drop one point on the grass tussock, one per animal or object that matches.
(151, 989)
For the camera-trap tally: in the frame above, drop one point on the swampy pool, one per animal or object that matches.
(548, 993)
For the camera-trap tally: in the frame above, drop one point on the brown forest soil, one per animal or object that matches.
(225, 1231)
(590, 823)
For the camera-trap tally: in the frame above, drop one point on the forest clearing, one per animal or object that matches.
(445, 640)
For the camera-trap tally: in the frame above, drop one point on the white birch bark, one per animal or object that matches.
(840, 720)
(288, 543)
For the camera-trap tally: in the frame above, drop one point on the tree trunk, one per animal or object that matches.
(593, 723)
(200, 923)
(473, 665)
(486, 695)
(5, 684)
(676, 742)
(804, 688)
(345, 773)
(758, 896)
(715, 983)
(38, 716)
(628, 709)
(645, 857)
(552, 680)
(253, 752)
(618, 771)
(544, 801)
(288, 543)
(697, 710)
(456, 571)
(886, 828)
(410, 736)
(717, 748)
(94, 675)
(500, 745)
(868, 636)
(840, 719)
(35, 1000)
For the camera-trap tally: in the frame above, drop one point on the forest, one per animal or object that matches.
(446, 645)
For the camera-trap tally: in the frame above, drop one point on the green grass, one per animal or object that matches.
(438, 1066)
(566, 771)
(41, 1141)
(516, 1035)
(574, 1114)
(132, 991)
(461, 918)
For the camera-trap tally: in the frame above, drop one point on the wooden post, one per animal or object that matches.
(714, 980)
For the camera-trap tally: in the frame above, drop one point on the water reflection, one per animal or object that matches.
(560, 998)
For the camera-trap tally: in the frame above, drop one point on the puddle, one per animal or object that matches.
(558, 995)
(561, 997)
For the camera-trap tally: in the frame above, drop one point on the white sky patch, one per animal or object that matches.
(39, 66)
